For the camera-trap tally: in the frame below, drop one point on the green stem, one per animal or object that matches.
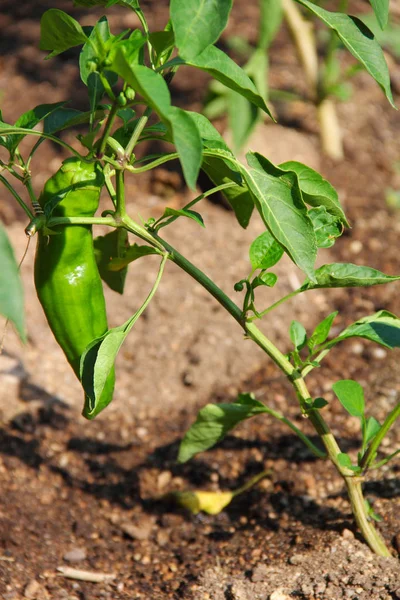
(376, 442)
(109, 185)
(17, 197)
(154, 163)
(107, 87)
(158, 224)
(32, 152)
(384, 461)
(153, 290)
(107, 129)
(318, 359)
(252, 482)
(116, 146)
(32, 195)
(306, 440)
(370, 533)
(143, 21)
(120, 193)
(108, 221)
(276, 304)
(47, 136)
(372, 536)
(141, 124)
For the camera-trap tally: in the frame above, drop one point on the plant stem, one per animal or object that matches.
(47, 136)
(384, 460)
(155, 163)
(17, 197)
(120, 193)
(109, 185)
(369, 456)
(318, 359)
(330, 131)
(304, 39)
(109, 221)
(107, 129)
(277, 415)
(205, 281)
(159, 223)
(141, 124)
(276, 304)
(368, 530)
(303, 36)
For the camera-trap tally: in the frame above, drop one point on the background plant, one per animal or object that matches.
(319, 52)
(127, 76)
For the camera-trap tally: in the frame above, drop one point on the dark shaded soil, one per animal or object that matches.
(100, 488)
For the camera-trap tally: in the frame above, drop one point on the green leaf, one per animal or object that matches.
(130, 255)
(268, 279)
(270, 21)
(326, 227)
(371, 513)
(153, 88)
(29, 120)
(389, 38)
(242, 127)
(360, 41)
(64, 118)
(322, 330)
(162, 43)
(59, 32)
(316, 190)
(224, 69)
(344, 460)
(97, 362)
(319, 403)
(265, 251)
(11, 292)
(132, 47)
(351, 397)
(371, 429)
(298, 335)
(346, 275)
(197, 24)
(95, 91)
(126, 115)
(383, 328)
(278, 199)
(250, 115)
(190, 214)
(150, 85)
(187, 140)
(95, 49)
(239, 196)
(214, 421)
(106, 248)
(222, 167)
(381, 10)
(211, 138)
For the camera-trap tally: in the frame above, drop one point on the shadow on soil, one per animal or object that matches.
(102, 474)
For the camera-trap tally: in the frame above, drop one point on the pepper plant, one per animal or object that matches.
(127, 76)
